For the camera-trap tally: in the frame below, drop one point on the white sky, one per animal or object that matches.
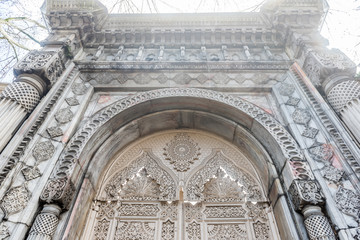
(341, 27)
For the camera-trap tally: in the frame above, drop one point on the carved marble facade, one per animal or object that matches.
(196, 126)
(131, 202)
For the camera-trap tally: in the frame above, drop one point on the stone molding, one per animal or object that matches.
(67, 161)
(30, 133)
(346, 149)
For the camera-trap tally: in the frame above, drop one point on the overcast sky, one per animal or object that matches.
(341, 27)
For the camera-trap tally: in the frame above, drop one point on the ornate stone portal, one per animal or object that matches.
(218, 195)
(261, 85)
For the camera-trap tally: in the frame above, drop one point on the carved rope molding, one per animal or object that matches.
(55, 192)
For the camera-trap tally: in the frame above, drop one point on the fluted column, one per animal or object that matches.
(45, 223)
(332, 72)
(307, 198)
(16, 101)
(343, 94)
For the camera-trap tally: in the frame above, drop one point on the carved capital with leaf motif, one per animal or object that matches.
(58, 190)
(306, 192)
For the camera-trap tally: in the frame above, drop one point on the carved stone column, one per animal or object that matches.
(332, 72)
(307, 198)
(45, 223)
(16, 101)
(343, 93)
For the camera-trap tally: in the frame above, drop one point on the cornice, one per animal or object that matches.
(220, 65)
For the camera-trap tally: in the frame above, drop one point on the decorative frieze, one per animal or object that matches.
(310, 132)
(138, 210)
(224, 212)
(119, 78)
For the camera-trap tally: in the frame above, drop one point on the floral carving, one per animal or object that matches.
(58, 190)
(141, 187)
(224, 212)
(72, 101)
(86, 132)
(286, 89)
(135, 230)
(182, 151)
(310, 132)
(238, 185)
(293, 101)
(193, 212)
(261, 230)
(44, 63)
(348, 202)
(168, 230)
(79, 88)
(301, 116)
(138, 210)
(106, 209)
(64, 115)
(43, 151)
(256, 210)
(30, 173)
(15, 199)
(193, 231)
(321, 152)
(169, 210)
(305, 192)
(101, 229)
(231, 231)
(159, 186)
(332, 174)
(222, 188)
(4, 231)
(54, 132)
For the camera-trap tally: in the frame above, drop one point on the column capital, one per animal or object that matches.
(306, 192)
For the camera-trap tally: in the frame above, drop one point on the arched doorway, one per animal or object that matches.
(181, 184)
(263, 140)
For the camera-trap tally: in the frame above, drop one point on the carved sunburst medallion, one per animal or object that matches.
(182, 151)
